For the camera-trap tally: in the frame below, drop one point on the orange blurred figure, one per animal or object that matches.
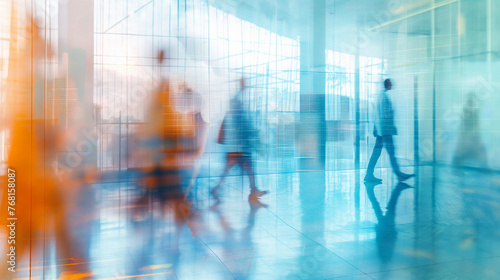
(38, 209)
(173, 140)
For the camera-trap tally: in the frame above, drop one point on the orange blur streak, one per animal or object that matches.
(135, 276)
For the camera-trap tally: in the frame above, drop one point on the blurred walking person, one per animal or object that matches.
(383, 130)
(169, 147)
(240, 137)
(470, 149)
(36, 199)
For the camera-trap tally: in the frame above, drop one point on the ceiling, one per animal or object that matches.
(346, 21)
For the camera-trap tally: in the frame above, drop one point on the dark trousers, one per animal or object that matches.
(382, 141)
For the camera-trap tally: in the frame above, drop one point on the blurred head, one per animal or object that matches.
(388, 84)
(161, 57)
(242, 83)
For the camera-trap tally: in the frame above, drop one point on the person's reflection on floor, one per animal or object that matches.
(239, 252)
(386, 233)
(153, 254)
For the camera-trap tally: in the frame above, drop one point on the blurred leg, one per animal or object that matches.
(377, 150)
(247, 167)
(231, 161)
(389, 146)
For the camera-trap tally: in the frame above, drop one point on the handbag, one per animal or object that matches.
(222, 133)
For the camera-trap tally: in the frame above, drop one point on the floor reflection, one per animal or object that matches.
(313, 225)
(386, 233)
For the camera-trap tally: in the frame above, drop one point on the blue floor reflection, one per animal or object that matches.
(313, 225)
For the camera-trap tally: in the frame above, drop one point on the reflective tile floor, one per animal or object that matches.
(443, 224)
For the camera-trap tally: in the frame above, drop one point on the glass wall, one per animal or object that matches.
(444, 51)
(207, 47)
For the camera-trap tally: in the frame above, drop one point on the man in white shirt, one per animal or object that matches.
(384, 130)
